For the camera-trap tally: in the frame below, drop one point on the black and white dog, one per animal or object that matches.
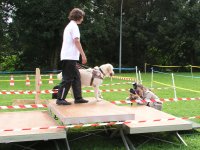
(139, 93)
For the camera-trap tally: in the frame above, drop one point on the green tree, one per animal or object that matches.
(6, 49)
(154, 31)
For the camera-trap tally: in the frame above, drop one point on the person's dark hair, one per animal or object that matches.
(76, 14)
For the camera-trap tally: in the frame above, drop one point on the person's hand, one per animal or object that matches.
(84, 59)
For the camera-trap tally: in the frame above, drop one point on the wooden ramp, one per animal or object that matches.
(28, 119)
(150, 114)
(91, 112)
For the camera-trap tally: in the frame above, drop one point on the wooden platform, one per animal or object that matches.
(91, 112)
(195, 125)
(147, 113)
(28, 119)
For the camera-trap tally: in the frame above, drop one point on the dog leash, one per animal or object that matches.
(81, 66)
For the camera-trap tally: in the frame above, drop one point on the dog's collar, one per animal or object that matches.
(101, 71)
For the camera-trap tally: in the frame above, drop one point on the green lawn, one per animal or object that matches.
(187, 87)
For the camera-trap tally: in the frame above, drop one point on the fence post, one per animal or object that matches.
(37, 85)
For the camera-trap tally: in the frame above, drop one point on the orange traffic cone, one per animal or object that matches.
(12, 80)
(51, 79)
(28, 83)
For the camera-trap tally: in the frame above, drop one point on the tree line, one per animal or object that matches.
(165, 32)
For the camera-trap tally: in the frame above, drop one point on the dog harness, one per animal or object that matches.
(101, 71)
(96, 73)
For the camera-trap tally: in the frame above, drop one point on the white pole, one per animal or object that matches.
(140, 77)
(191, 70)
(136, 72)
(145, 68)
(152, 77)
(175, 96)
(120, 40)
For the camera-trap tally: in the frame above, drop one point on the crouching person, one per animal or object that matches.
(139, 93)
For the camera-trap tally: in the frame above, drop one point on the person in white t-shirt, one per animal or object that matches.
(70, 52)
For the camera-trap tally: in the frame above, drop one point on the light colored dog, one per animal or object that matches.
(94, 77)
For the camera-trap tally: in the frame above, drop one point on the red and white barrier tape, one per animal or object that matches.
(115, 84)
(112, 90)
(114, 102)
(96, 124)
(27, 92)
(55, 91)
(62, 127)
(164, 88)
(24, 106)
(154, 100)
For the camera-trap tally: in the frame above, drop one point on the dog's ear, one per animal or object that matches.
(108, 69)
(111, 68)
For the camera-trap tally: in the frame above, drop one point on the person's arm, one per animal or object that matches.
(78, 45)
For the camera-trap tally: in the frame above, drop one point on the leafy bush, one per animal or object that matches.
(9, 63)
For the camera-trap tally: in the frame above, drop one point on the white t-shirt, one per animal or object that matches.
(69, 50)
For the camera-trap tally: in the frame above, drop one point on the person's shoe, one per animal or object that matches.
(80, 101)
(62, 102)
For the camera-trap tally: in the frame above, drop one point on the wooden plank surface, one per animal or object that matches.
(28, 119)
(91, 112)
(147, 113)
(195, 125)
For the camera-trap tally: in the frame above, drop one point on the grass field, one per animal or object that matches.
(186, 87)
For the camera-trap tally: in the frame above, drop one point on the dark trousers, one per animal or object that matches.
(70, 77)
